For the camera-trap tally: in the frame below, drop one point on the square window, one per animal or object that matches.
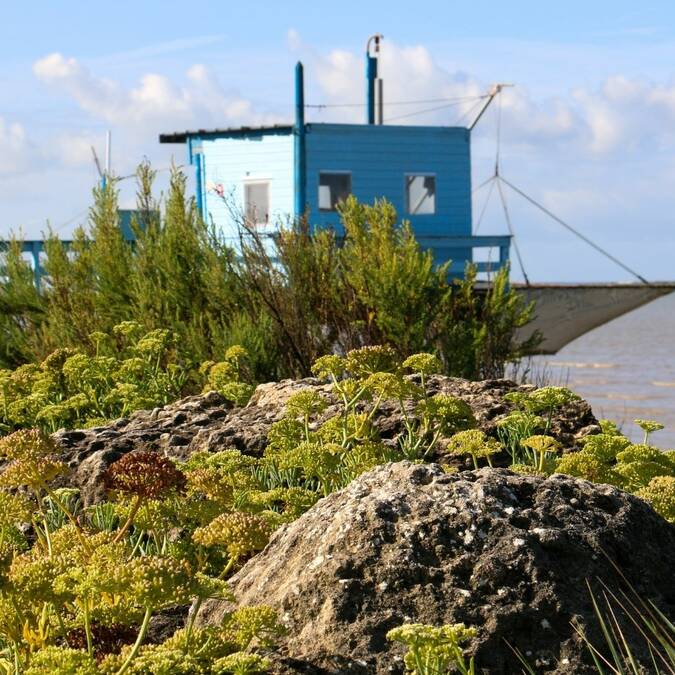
(420, 194)
(333, 189)
(257, 203)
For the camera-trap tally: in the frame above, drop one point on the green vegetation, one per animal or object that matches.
(79, 586)
(612, 609)
(287, 300)
(78, 592)
(639, 468)
(128, 370)
(434, 650)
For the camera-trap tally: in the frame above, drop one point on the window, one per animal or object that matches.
(257, 199)
(333, 189)
(420, 194)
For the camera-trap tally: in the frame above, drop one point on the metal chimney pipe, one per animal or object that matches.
(371, 76)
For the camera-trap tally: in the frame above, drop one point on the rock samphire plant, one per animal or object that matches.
(434, 649)
(78, 590)
(128, 370)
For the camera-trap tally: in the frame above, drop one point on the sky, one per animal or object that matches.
(588, 129)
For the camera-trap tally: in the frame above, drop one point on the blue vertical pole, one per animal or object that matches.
(300, 152)
(37, 269)
(198, 186)
(371, 76)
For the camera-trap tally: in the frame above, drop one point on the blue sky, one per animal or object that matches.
(589, 128)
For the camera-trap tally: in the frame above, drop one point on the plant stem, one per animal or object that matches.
(71, 518)
(139, 641)
(130, 518)
(41, 511)
(230, 564)
(87, 628)
(193, 617)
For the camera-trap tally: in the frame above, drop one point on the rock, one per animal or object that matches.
(506, 553)
(210, 423)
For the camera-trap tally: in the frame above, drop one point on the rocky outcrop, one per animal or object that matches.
(209, 423)
(506, 553)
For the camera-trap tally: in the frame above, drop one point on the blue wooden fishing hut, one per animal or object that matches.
(265, 176)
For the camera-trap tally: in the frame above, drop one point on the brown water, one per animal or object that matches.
(625, 369)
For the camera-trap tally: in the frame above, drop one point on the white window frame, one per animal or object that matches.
(249, 181)
(416, 174)
(332, 173)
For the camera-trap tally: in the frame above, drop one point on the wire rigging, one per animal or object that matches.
(498, 178)
(457, 99)
(499, 134)
(574, 231)
(507, 216)
(471, 110)
(421, 112)
(484, 209)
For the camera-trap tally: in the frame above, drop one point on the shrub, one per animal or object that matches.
(286, 300)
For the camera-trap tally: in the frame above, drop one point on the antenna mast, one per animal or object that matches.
(108, 142)
(104, 174)
(495, 89)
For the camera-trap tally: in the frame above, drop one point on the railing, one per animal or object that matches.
(442, 244)
(36, 246)
(447, 244)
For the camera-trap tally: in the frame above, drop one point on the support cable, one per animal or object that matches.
(574, 231)
(456, 99)
(469, 112)
(484, 209)
(511, 232)
(499, 179)
(482, 185)
(499, 134)
(421, 112)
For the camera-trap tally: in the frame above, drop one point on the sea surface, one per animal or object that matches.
(624, 369)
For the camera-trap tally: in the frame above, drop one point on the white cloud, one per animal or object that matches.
(621, 115)
(154, 104)
(74, 150)
(600, 155)
(13, 147)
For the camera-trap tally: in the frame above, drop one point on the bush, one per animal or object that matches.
(286, 300)
(377, 287)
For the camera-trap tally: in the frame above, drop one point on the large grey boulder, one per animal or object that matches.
(507, 553)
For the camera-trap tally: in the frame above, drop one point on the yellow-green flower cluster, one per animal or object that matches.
(130, 370)
(435, 649)
(14, 510)
(474, 443)
(424, 364)
(446, 413)
(51, 660)
(256, 625)
(636, 467)
(242, 663)
(660, 493)
(227, 376)
(372, 359)
(238, 533)
(305, 403)
(546, 399)
(33, 461)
